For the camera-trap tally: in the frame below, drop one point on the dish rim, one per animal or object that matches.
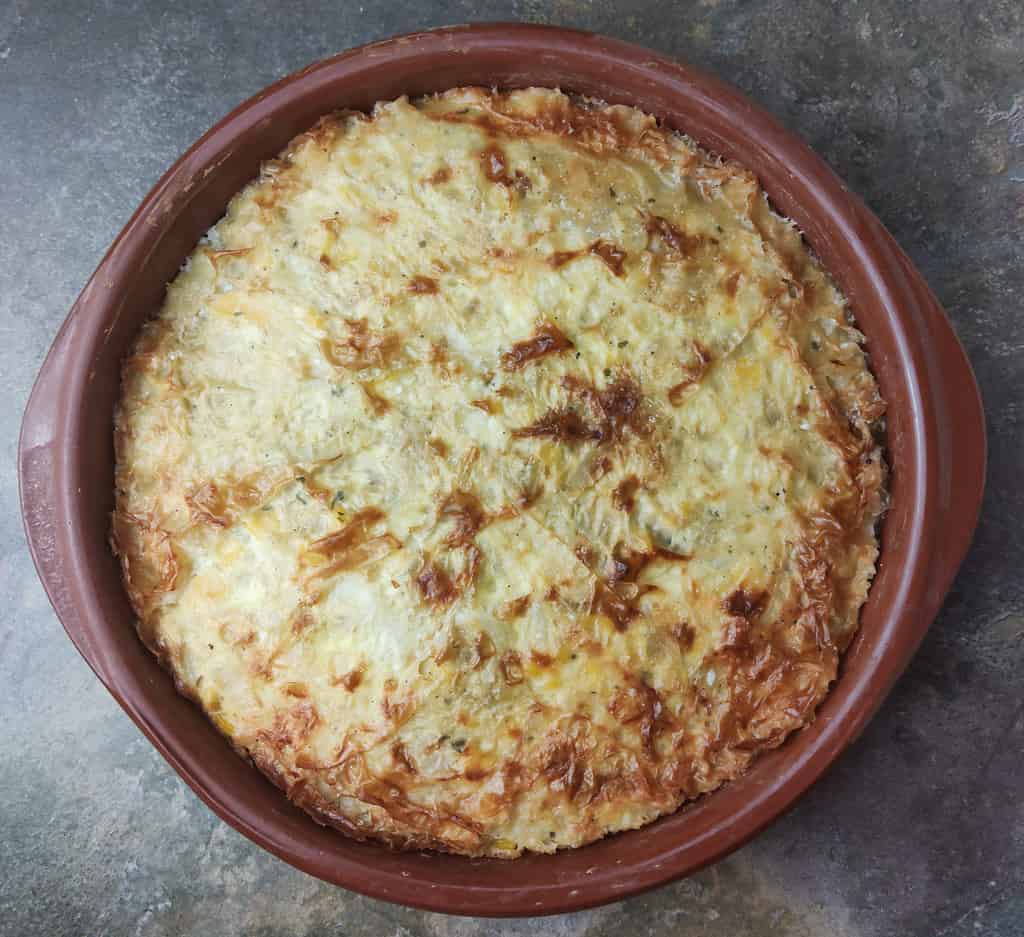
(940, 485)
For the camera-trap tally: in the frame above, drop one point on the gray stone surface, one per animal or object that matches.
(918, 830)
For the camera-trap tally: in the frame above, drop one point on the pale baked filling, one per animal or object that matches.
(499, 473)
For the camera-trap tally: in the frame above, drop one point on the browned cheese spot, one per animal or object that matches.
(620, 405)
(495, 168)
(624, 495)
(745, 604)
(327, 128)
(378, 404)
(492, 160)
(613, 256)
(301, 621)
(638, 703)
(252, 491)
(483, 650)
(450, 649)
(547, 340)
(352, 546)
(593, 130)
(692, 374)
(487, 406)
(209, 504)
(600, 467)
(435, 585)
(435, 826)
(148, 562)
(503, 259)
(514, 608)
(511, 668)
(216, 256)
(612, 410)
(291, 727)
(626, 564)
(217, 502)
(333, 224)
(423, 286)
(363, 347)
(731, 284)
(607, 601)
(776, 677)
(441, 362)
(440, 176)
(584, 552)
(561, 425)
(323, 494)
(472, 567)
(812, 553)
(528, 497)
(617, 591)
(262, 666)
(564, 767)
(684, 634)
(401, 758)
(468, 515)
(266, 201)
(677, 240)
(396, 711)
(560, 258)
(349, 680)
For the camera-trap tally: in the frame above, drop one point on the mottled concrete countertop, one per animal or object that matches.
(918, 831)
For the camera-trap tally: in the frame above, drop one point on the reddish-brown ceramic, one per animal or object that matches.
(936, 445)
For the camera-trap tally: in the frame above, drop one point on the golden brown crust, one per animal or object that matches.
(500, 473)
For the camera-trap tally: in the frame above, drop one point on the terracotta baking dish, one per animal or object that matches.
(936, 446)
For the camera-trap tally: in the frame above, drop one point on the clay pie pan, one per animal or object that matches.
(936, 445)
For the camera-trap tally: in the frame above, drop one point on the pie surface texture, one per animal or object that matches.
(500, 473)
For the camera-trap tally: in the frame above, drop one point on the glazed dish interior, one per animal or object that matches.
(501, 472)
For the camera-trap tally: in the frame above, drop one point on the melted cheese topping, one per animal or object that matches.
(499, 473)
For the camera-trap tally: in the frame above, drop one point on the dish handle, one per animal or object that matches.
(40, 480)
(961, 433)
